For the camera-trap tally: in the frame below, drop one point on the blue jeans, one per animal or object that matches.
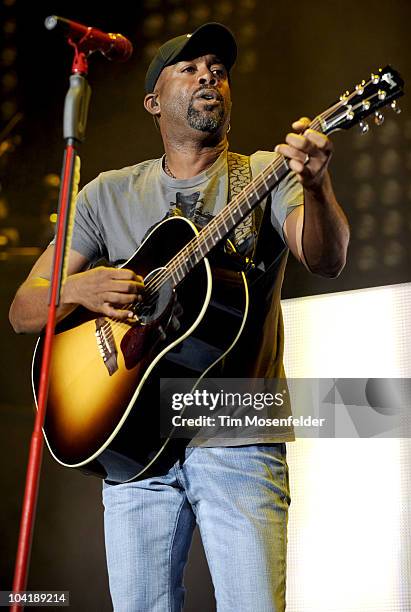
(239, 498)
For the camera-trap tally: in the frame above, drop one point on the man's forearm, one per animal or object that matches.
(324, 237)
(104, 290)
(326, 232)
(29, 310)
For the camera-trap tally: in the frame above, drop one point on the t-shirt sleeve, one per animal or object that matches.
(87, 238)
(283, 198)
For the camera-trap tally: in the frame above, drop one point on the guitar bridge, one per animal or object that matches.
(106, 344)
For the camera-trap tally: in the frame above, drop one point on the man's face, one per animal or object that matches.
(195, 93)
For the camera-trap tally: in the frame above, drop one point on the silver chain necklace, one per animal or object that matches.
(167, 169)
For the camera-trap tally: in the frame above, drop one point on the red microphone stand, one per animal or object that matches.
(75, 119)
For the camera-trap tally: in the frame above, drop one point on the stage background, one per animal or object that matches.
(295, 59)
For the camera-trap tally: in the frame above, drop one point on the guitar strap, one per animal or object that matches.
(239, 176)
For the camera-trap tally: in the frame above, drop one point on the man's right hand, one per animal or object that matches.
(109, 291)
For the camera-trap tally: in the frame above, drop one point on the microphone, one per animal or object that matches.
(113, 46)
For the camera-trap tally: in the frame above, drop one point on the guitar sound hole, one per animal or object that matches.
(156, 298)
(145, 309)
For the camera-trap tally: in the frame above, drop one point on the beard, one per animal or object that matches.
(210, 119)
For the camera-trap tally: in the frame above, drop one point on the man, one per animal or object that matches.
(238, 493)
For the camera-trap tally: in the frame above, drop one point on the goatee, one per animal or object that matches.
(208, 120)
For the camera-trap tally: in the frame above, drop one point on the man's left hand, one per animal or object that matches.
(309, 153)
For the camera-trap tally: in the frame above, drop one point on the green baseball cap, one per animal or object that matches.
(209, 38)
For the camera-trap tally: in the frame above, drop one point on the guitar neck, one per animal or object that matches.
(382, 88)
(231, 215)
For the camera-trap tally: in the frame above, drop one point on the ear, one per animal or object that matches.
(152, 104)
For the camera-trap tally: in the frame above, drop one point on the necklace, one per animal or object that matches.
(167, 169)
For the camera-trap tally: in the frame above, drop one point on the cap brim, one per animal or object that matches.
(209, 38)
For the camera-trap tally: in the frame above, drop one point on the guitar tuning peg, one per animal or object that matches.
(364, 127)
(395, 107)
(375, 78)
(379, 118)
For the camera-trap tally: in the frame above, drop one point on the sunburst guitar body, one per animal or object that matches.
(104, 395)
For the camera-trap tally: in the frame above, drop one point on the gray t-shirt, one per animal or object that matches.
(117, 209)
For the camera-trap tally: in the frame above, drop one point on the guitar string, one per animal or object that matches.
(226, 214)
(190, 248)
(209, 230)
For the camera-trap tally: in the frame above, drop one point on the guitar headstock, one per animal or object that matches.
(368, 97)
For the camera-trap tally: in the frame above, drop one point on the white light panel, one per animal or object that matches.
(350, 517)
